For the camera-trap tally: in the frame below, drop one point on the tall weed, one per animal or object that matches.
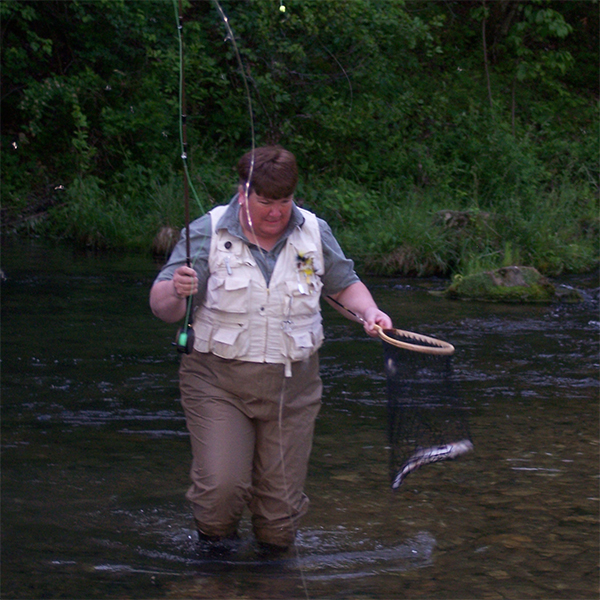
(415, 233)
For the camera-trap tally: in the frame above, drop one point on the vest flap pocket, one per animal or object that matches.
(235, 283)
(230, 341)
(228, 294)
(302, 339)
(226, 335)
(225, 340)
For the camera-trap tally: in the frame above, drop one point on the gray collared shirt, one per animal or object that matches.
(339, 270)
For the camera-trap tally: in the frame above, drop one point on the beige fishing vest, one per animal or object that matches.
(241, 318)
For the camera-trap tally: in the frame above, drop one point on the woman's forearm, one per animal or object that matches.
(168, 297)
(358, 299)
(165, 303)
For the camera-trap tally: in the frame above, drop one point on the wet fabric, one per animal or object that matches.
(251, 432)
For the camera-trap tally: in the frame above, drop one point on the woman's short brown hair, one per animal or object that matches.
(272, 169)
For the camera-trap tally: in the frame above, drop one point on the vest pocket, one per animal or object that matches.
(227, 341)
(228, 294)
(302, 343)
(305, 295)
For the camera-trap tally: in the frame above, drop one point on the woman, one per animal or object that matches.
(251, 389)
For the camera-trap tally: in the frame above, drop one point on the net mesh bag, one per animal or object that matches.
(427, 422)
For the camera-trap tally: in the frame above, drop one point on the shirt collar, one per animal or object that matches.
(231, 221)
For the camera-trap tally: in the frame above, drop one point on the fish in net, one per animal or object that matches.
(427, 421)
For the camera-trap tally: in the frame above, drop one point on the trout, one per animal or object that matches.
(426, 456)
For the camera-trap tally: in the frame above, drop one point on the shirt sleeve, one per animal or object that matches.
(200, 237)
(339, 270)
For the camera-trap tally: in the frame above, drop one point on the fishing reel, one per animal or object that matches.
(184, 340)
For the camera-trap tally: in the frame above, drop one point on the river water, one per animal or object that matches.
(95, 453)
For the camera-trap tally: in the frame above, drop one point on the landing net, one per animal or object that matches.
(427, 422)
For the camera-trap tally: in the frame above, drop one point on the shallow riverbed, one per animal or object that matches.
(95, 452)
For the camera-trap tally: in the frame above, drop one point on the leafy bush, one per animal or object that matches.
(395, 110)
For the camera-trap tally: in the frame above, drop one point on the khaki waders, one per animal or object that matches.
(251, 431)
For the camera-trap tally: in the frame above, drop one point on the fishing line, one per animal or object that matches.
(185, 337)
(182, 112)
(345, 75)
(231, 37)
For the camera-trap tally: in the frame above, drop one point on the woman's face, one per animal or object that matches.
(266, 219)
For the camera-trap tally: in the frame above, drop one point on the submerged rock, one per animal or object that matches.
(507, 284)
(569, 295)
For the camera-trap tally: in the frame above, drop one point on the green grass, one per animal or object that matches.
(389, 230)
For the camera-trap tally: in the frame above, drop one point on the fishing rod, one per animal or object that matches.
(184, 340)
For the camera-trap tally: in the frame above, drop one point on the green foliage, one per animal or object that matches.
(562, 234)
(343, 203)
(386, 104)
(81, 81)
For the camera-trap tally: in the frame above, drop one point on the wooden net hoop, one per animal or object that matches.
(414, 341)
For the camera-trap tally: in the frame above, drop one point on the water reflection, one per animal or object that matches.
(95, 453)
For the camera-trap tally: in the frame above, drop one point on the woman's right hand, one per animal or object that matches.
(185, 282)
